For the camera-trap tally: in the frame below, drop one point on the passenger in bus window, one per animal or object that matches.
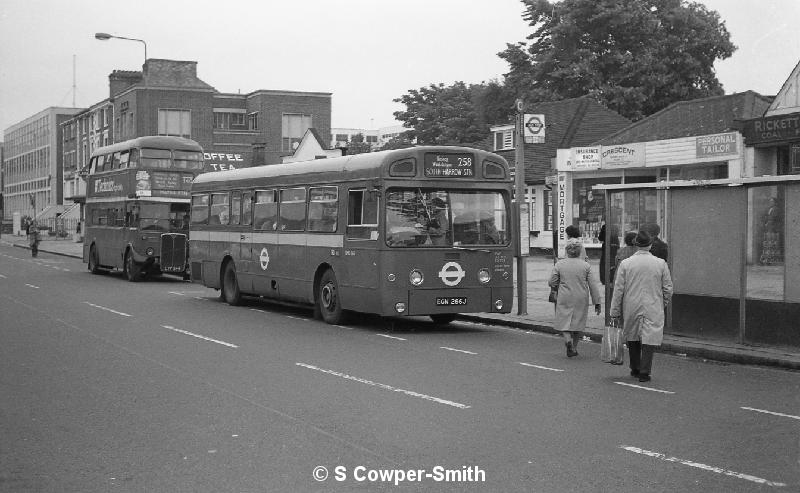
(438, 222)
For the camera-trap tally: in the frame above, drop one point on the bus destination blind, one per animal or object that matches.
(449, 165)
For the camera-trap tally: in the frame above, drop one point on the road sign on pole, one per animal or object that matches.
(534, 129)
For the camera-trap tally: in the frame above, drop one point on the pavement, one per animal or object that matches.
(538, 315)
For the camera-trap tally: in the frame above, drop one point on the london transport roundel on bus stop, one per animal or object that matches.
(264, 258)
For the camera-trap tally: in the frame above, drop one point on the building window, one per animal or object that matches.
(177, 123)
(294, 127)
(252, 121)
(504, 139)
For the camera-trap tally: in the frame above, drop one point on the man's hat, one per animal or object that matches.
(643, 239)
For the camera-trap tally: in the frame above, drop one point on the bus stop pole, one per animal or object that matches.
(522, 213)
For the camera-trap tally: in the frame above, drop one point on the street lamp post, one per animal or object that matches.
(106, 37)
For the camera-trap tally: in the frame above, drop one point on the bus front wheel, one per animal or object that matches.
(328, 300)
(443, 318)
(230, 286)
(130, 270)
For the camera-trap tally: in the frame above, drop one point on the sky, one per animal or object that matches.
(364, 52)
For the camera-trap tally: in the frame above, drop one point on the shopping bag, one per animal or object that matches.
(553, 295)
(611, 348)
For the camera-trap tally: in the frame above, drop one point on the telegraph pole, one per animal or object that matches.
(523, 236)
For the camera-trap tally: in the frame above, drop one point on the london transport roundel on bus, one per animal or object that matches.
(264, 258)
(452, 273)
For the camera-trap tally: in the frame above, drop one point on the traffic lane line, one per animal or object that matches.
(464, 351)
(764, 411)
(31, 286)
(531, 365)
(705, 467)
(199, 336)
(384, 386)
(100, 307)
(642, 387)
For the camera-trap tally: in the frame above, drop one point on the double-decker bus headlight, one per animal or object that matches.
(416, 277)
(149, 251)
(484, 276)
(498, 304)
(400, 307)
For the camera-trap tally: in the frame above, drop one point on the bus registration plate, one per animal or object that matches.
(451, 300)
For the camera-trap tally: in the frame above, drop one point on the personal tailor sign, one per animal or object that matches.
(584, 158)
(717, 145)
(772, 129)
(622, 156)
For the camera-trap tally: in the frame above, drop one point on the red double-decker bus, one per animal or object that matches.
(418, 231)
(137, 206)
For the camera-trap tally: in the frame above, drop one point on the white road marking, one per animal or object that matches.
(771, 412)
(705, 467)
(32, 286)
(108, 309)
(644, 388)
(343, 327)
(258, 310)
(3, 277)
(391, 337)
(539, 367)
(384, 386)
(175, 292)
(456, 350)
(200, 336)
(297, 318)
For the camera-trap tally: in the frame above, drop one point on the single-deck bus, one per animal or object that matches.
(417, 231)
(137, 206)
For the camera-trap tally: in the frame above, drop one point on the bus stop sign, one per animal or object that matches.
(534, 129)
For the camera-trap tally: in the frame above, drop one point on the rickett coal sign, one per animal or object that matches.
(772, 129)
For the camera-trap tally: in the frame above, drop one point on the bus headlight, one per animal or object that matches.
(400, 307)
(149, 251)
(498, 305)
(416, 277)
(484, 276)
(391, 277)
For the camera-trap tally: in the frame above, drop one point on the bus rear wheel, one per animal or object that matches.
(230, 286)
(130, 270)
(328, 300)
(443, 318)
(94, 261)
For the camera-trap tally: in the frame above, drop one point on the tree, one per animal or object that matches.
(635, 56)
(402, 141)
(357, 145)
(442, 115)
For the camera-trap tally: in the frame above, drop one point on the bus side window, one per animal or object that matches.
(133, 160)
(220, 210)
(292, 209)
(265, 211)
(114, 161)
(100, 164)
(323, 209)
(247, 208)
(200, 208)
(362, 215)
(236, 208)
(123, 159)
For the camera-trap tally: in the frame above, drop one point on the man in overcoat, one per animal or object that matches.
(642, 290)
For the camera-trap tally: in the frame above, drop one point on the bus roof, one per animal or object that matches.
(154, 142)
(367, 165)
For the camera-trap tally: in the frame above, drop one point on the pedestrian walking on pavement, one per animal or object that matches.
(573, 278)
(642, 290)
(33, 238)
(574, 236)
(659, 248)
(626, 251)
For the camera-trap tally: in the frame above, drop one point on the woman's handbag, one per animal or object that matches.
(553, 295)
(612, 346)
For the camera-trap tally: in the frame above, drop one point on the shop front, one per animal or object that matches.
(580, 169)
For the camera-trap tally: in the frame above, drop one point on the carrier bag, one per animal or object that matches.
(612, 346)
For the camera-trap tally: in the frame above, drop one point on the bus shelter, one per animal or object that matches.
(734, 253)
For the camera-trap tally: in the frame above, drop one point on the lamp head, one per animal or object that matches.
(102, 36)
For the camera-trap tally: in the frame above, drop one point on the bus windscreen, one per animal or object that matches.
(419, 217)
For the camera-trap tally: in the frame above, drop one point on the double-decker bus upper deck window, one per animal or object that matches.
(99, 165)
(292, 209)
(236, 207)
(220, 209)
(200, 208)
(323, 209)
(362, 215)
(124, 157)
(155, 158)
(133, 160)
(265, 210)
(188, 160)
(114, 161)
